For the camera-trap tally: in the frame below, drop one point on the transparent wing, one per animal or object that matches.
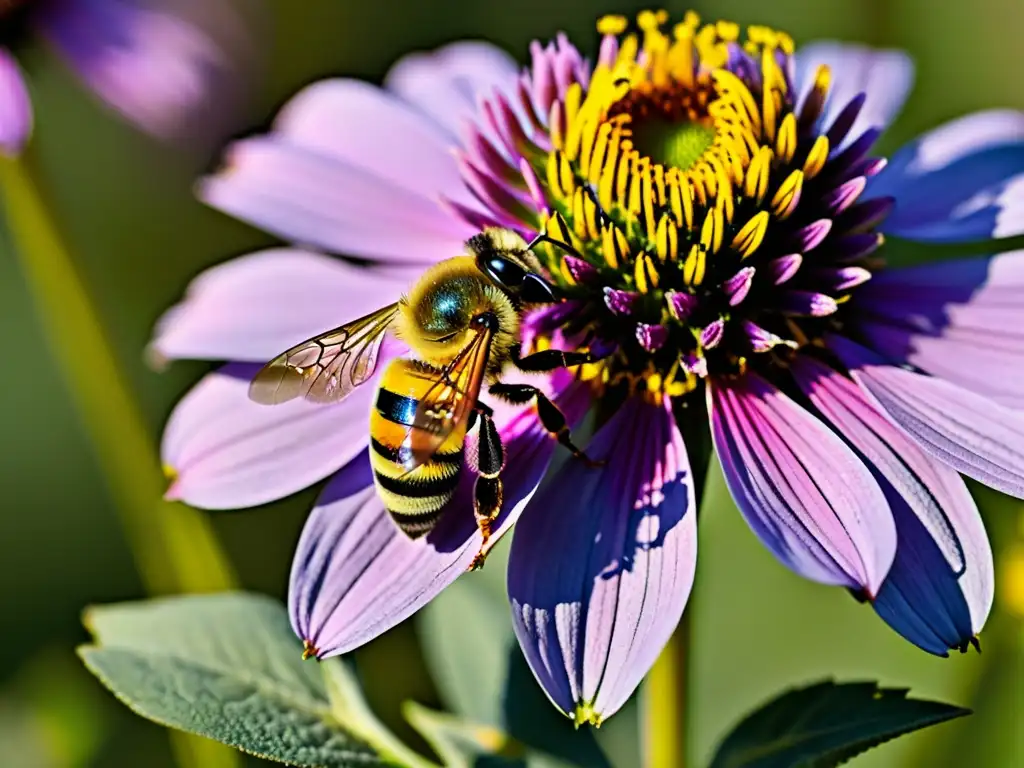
(328, 367)
(447, 405)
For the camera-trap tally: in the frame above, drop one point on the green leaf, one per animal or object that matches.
(480, 671)
(466, 635)
(826, 724)
(471, 745)
(227, 666)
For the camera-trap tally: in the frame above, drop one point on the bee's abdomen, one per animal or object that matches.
(414, 499)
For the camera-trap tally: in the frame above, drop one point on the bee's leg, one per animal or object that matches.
(551, 418)
(487, 492)
(480, 408)
(551, 359)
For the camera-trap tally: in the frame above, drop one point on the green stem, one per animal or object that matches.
(663, 704)
(174, 547)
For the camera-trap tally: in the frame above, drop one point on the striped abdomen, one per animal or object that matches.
(415, 499)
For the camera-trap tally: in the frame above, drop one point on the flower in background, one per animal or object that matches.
(728, 216)
(160, 63)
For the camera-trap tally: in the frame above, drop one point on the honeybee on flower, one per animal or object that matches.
(726, 221)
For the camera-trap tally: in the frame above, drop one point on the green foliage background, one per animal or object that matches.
(126, 209)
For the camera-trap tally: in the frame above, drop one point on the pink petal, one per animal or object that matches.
(805, 494)
(15, 106)
(366, 127)
(355, 575)
(256, 306)
(603, 561)
(224, 451)
(309, 198)
(173, 67)
(445, 84)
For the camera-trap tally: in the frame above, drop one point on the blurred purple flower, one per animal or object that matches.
(728, 219)
(172, 67)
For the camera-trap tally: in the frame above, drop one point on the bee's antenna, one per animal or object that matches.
(543, 237)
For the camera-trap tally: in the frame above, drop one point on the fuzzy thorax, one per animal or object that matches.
(435, 317)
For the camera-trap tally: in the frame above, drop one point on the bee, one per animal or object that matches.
(461, 321)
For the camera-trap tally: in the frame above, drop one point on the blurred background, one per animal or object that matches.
(124, 205)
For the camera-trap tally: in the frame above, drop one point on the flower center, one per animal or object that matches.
(715, 226)
(677, 146)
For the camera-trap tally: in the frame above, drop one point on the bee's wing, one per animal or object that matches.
(328, 367)
(448, 404)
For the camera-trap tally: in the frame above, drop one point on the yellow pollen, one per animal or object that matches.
(612, 25)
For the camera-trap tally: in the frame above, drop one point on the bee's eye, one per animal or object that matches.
(504, 272)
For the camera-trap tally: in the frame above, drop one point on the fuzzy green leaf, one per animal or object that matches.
(826, 724)
(227, 667)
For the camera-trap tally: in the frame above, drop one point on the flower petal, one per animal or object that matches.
(254, 307)
(312, 199)
(962, 181)
(355, 575)
(367, 127)
(940, 588)
(173, 67)
(961, 320)
(883, 76)
(602, 564)
(224, 451)
(971, 433)
(447, 83)
(15, 106)
(801, 489)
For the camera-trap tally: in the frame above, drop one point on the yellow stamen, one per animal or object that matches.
(785, 142)
(667, 239)
(712, 232)
(694, 266)
(750, 237)
(645, 273)
(756, 184)
(816, 157)
(788, 195)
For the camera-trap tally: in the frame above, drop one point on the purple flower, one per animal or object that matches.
(727, 216)
(169, 66)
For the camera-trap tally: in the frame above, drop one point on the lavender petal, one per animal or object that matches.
(958, 319)
(971, 433)
(254, 307)
(940, 589)
(223, 451)
(805, 494)
(884, 76)
(598, 588)
(445, 84)
(961, 182)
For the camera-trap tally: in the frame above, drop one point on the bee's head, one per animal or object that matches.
(504, 257)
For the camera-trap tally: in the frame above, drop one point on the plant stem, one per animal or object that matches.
(663, 704)
(174, 547)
